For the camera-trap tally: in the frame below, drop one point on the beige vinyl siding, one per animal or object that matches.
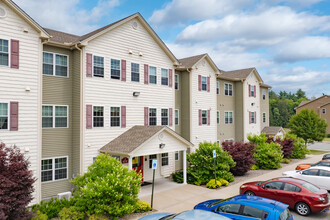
(264, 107)
(239, 111)
(57, 142)
(14, 83)
(110, 92)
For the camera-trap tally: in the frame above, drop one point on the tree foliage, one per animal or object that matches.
(16, 183)
(308, 125)
(299, 148)
(286, 143)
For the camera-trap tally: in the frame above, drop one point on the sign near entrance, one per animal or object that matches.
(154, 164)
(214, 154)
(124, 160)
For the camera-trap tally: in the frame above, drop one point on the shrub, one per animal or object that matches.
(299, 148)
(97, 217)
(177, 176)
(201, 164)
(70, 213)
(242, 154)
(39, 216)
(286, 160)
(287, 145)
(223, 182)
(107, 188)
(254, 167)
(52, 207)
(16, 183)
(212, 184)
(142, 206)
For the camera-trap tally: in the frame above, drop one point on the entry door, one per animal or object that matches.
(137, 164)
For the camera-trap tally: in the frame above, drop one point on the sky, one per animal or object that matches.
(287, 41)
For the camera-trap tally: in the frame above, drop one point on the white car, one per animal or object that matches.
(319, 176)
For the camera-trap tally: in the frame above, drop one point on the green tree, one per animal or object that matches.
(307, 125)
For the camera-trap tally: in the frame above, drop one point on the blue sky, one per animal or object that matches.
(287, 41)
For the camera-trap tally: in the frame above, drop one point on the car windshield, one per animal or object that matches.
(218, 202)
(311, 187)
(168, 217)
(285, 215)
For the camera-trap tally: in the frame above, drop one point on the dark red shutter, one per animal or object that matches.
(89, 65)
(200, 116)
(123, 116)
(199, 83)
(255, 117)
(208, 117)
(249, 90)
(170, 77)
(255, 91)
(146, 116)
(208, 84)
(249, 117)
(146, 74)
(14, 54)
(171, 117)
(123, 70)
(13, 116)
(89, 116)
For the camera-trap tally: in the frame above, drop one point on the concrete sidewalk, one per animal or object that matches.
(179, 197)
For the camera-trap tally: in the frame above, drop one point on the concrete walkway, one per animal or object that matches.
(172, 197)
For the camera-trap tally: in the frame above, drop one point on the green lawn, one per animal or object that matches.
(326, 139)
(318, 152)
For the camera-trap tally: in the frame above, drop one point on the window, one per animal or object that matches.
(228, 89)
(323, 111)
(204, 83)
(152, 116)
(252, 92)
(57, 66)
(252, 118)
(176, 82)
(218, 87)
(176, 155)
(229, 141)
(324, 173)
(264, 117)
(285, 215)
(164, 77)
(254, 212)
(115, 117)
(204, 117)
(164, 114)
(115, 69)
(228, 117)
(135, 72)
(229, 208)
(4, 54)
(264, 94)
(98, 66)
(218, 117)
(98, 116)
(57, 120)
(3, 116)
(152, 75)
(311, 172)
(164, 159)
(273, 185)
(290, 187)
(54, 169)
(152, 157)
(176, 112)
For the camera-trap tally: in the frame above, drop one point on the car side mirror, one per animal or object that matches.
(262, 187)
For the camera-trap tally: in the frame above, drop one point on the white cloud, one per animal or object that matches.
(65, 15)
(181, 11)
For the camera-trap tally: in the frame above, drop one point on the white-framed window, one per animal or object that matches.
(218, 142)
(54, 64)
(252, 92)
(114, 116)
(152, 116)
(252, 118)
(98, 116)
(264, 117)
(4, 52)
(164, 159)
(176, 155)
(176, 81)
(176, 112)
(55, 116)
(152, 75)
(135, 72)
(53, 169)
(115, 69)
(264, 94)
(218, 117)
(204, 117)
(323, 110)
(204, 83)
(228, 117)
(152, 157)
(4, 117)
(98, 66)
(164, 116)
(164, 78)
(230, 140)
(218, 89)
(228, 89)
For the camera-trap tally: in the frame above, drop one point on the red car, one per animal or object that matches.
(300, 195)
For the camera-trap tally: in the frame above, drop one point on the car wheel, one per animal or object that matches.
(249, 193)
(302, 209)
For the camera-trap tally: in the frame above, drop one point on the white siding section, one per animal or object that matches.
(13, 84)
(203, 100)
(110, 92)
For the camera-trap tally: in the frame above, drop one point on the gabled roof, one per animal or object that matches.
(265, 85)
(61, 37)
(303, 103)
(236, 75)
(273, 130)
(324, 104)
(136, 136)
(190, 62)
(306, 102)
(27, 18)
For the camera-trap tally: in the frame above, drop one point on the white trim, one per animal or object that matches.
(3, 16)
(228, 117)
(131, 71)
(54, 64)
(54, 116)
(176, 153)
(115, 106)
(168, 116)
(161, 77)
(120, 70)
(232, 89)
(178, 117)
(324, 111)
(149, 116)
(93, 55)
(161, 159)
(8, 116)
(178, 76)
(202, 83)
(263, 117)
(217, 87)
(218, 117)
(263, 90)
(53, 169)
(153, 75)
(98, 116)
(206, 117)
(9, 52)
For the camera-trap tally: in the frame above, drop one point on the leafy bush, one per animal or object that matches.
(107, 188)
(223, 182)
(299, 148)
(39, 216)
(287, 145)
(254, 167)
(286, 160)
(52, 207)
(97, 217)
(212, 184)
(177, 176)
(201, 163)
(142, 206)
(16, 183)
(70, 213)
(242, 154)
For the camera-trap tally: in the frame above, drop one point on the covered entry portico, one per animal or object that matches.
(138, 146)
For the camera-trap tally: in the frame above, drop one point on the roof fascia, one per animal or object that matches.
(312, 101)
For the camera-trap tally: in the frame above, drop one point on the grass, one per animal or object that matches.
(326, 139)
(318, 152)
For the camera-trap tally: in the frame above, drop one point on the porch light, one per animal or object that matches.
(161, 146)
(136, 94)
